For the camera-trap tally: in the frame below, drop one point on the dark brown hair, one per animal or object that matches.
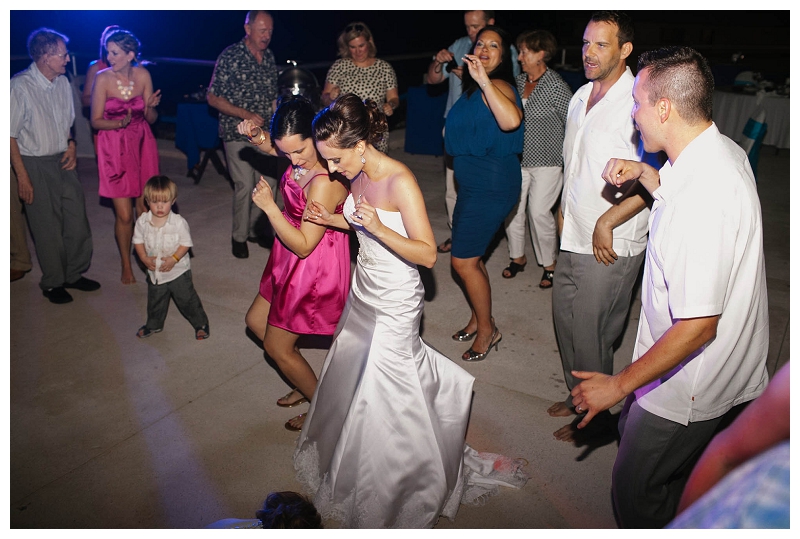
(349, 120)
(503, 71)
(682, 75)
(288, 510)
(538, 40)
(621, 20)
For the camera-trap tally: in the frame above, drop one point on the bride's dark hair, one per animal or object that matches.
(348, 120)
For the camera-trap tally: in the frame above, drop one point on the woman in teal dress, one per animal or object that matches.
(484, 136)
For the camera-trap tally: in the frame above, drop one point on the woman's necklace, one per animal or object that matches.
(126, 91)
(368, 182)
(299, 171)
(365, 185)
(529, 81)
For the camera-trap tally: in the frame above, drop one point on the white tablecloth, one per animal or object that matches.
(732, 110)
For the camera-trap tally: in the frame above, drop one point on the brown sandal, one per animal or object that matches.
(301, 400)
(301, 418)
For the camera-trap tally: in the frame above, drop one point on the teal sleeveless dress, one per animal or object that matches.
(487, 169)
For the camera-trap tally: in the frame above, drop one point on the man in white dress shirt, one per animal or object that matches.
(703, 334)
(603, 228)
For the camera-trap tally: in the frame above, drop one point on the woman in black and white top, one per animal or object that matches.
(545, 98)
(359, 72)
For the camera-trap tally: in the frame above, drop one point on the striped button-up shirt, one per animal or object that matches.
(42, 112)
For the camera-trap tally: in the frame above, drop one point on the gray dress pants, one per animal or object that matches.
(590, 305)
(653, 463)
(246, 164)
(182, 291)
(57, 221)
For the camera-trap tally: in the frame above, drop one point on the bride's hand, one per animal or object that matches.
(317, 213)
(367, 216)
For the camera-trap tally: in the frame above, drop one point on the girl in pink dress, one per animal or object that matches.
(307, 278)
(123, 103)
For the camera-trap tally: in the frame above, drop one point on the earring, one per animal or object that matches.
(363, 161)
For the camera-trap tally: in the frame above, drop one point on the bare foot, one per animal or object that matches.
(293, 398)
(127, 277)
(566, 433)
(296, 423)
(560, 409)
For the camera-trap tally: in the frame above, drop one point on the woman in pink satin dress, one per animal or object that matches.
(123, 104)
(307, 278)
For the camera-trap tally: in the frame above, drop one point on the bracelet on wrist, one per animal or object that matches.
(176, 258)
(258, 139)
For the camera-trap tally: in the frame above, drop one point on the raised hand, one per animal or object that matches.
(367, 216)
(263, 197)
(246, 127)
(476, 69)
(155, 99)
(621, 171)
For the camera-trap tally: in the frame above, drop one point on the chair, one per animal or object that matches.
(753, 136)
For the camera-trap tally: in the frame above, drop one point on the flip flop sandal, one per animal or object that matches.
(445, 247)
(289, 426)
(547, 276)
(205, 335)
(144, 332)
(301, 400)
(512, 269)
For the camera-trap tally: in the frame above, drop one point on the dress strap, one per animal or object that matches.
(303, 187)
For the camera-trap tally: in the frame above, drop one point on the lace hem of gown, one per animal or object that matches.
(481, 475)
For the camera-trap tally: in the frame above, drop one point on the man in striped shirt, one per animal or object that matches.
(43, 158)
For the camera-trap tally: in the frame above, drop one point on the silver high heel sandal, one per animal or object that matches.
(472, 355)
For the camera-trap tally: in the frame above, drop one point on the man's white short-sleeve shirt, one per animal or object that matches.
(590, 140)
(705, 257)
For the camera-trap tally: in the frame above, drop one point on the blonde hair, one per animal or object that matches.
(160, 189)
(351, 32)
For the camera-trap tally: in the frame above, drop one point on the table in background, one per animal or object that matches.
(732, 110)
(196, 131)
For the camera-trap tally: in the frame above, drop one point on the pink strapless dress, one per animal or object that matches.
(307, 295)
(127, 157)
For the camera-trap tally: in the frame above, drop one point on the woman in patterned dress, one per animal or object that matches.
(358, 71)
(545, 102)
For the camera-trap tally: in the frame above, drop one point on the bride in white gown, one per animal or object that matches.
(383, 442)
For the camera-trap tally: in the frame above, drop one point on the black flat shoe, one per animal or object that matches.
(239, 249)
(446, 246)
(512, 269)
(83, 284)
(57, 295)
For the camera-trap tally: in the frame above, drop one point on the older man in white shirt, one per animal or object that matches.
(603, 228)
(43, 158)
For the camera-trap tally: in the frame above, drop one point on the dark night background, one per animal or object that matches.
(405, 38)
